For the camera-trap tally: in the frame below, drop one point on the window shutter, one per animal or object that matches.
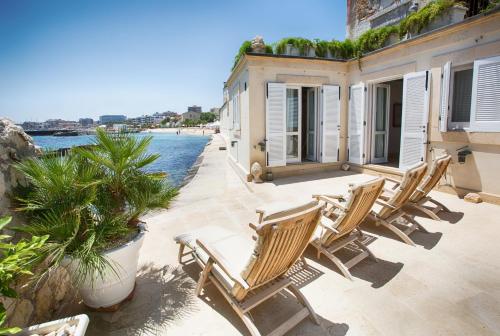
(275, 124)
(330, 102)
(414, 118)
(485, 106)
(356, 124)
(445, 95)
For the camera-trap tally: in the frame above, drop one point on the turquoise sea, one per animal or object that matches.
(178, 152)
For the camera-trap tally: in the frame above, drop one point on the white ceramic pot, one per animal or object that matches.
(114, 286)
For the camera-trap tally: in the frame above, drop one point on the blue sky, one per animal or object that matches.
(72, 59)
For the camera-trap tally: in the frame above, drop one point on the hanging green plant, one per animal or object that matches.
(415, 22)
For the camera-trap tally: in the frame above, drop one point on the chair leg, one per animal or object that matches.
(414, 222)
(365, 248)
(426, 211)
(397, 231)
(302, 299)
(441, 206)
(304, 262)
(203, 277)
(181, 252)
(339, 264)
(247, 320)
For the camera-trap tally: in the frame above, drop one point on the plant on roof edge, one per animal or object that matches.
(417, 21)
(16, 260)
(302, 44)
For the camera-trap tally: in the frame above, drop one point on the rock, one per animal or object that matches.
(258, 45)
(473, 198)
(345, 167)
(34, 305)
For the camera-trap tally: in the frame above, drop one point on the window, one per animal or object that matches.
(470, 95)
(460, 97)
(236, 107)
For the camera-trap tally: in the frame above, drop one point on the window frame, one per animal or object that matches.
(235, 103)
(455, 125)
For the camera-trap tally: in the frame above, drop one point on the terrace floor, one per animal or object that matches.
(447, 285)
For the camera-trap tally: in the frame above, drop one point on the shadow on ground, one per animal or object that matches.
(452, 217)
(378, 273)
(163, 295)
(274, 311)
(428, 240)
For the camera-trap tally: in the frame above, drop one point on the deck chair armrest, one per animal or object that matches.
(332, 202)
(219, 260)
(329, 196)
(252, 226)
(328, 227)
(385, 204)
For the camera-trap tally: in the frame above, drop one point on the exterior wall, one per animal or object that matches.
(292, 71)
(461, 44)
(238, 137)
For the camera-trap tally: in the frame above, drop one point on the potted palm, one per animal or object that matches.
(89, 203)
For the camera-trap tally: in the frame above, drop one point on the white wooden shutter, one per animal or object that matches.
(414, 118)
(485, 102)
(275, 124)
(356, 124)
(330, 103)
(445, 95)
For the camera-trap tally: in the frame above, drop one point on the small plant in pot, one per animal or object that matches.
(89, 203)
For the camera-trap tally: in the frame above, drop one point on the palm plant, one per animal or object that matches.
(91, 199)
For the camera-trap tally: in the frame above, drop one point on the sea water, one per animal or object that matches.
(177, 152)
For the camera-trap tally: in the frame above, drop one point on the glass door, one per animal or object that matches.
(293, 122)
(381, 98)
(311, 125)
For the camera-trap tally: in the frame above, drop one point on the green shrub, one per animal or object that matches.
(302, 44)
(417, 21)
(15, 260)
(246, 47)
(374, 39)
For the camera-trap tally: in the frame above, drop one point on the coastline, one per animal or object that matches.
(191, 173)
(184, 130)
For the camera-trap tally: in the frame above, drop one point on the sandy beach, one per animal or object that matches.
(184, 130)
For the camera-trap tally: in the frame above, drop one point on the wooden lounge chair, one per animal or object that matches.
(388, 209)
(421, 194)
(248, 272)
(339, 226)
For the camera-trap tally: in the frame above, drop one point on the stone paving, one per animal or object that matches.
(447, 285)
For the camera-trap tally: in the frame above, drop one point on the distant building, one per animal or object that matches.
(194, 108)
(32, 125)
(170, 114)
(86, 122)
(112, 119)
(60, 124)
(216, 111)
(147, 119)
(191, 115)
